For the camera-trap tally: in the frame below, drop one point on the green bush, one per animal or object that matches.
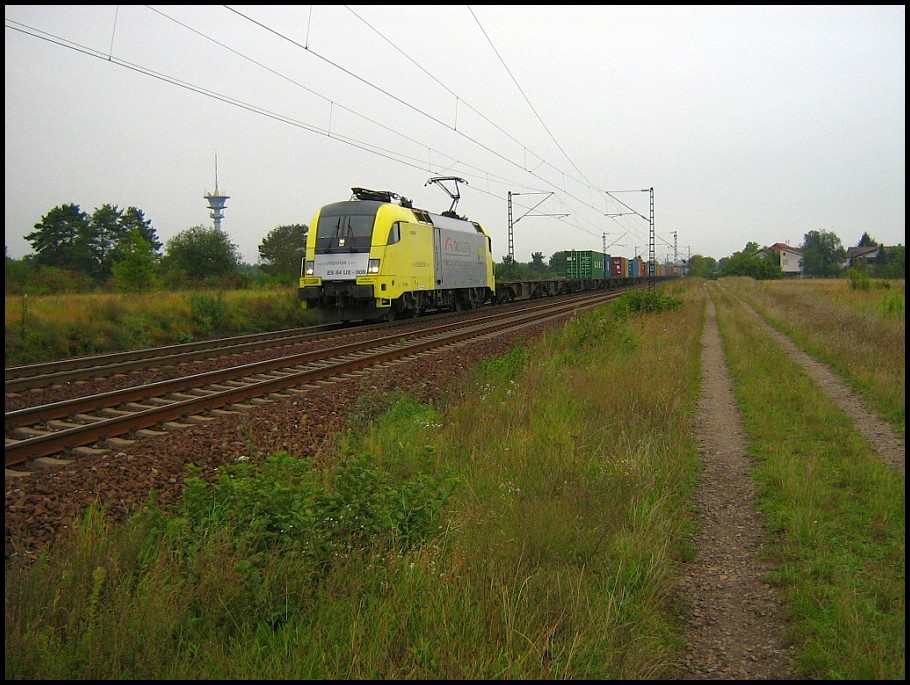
(287, 504)
(893, 304)
(282, 310)
(637, 301)
(208, 311)
(858, 279)
(33, 345)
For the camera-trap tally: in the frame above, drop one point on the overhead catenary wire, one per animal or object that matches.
(394, 155)
(436, 119)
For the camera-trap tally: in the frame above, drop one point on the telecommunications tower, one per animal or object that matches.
(216, 200)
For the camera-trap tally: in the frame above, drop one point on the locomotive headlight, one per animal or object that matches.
(309, 268)
(373, 266)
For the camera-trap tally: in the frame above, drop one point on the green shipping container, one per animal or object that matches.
(586, 264)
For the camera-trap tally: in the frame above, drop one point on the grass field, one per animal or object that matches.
(524, 527)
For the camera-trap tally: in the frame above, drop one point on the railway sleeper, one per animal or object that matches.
(63, 425)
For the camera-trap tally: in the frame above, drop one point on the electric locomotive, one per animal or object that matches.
(376, 256)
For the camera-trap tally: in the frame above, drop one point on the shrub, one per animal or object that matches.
(208, 311)
(637, 301)
(858, 279)
(287, 504)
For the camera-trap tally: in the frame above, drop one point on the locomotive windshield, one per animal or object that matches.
(344, 232)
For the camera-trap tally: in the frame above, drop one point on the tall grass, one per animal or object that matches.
(836, 509)
(551, 508)
(529, 526)
(859, 333)
(47, 327)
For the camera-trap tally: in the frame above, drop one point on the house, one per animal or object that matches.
(791, 259)
(866, 254)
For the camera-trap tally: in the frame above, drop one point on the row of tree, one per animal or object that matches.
(823, 256)
(119, 249)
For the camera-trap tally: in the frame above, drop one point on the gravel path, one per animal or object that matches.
(734, 627)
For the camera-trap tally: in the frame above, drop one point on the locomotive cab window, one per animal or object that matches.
(348, 232)
(394, 234)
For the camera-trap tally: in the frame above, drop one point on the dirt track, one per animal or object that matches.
(735, 629)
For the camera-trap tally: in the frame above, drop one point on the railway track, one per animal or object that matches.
(81, 422)
(19, 378)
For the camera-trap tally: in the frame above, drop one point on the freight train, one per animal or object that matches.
(377, 257)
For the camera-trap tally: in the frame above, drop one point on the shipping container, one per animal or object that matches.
(586, 264)
(619, 267)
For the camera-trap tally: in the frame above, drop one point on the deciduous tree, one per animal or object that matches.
(202, 252)
(282, 249)
(750, 262)
(890, 263)
(703, 267)
(135, 272)
(823, 254)
(558, 263)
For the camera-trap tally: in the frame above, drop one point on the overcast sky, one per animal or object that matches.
(750, 123)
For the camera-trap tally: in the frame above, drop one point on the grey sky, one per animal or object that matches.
(751, 123)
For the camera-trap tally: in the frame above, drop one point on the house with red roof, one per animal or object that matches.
(791, 259)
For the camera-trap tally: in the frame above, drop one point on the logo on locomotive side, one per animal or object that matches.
(461, 246)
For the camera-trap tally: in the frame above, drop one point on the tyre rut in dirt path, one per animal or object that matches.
(888, 445)
(735, 629)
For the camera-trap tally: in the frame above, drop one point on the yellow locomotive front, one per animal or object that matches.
(371, 258)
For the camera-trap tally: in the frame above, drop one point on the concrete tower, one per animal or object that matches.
(216, 201)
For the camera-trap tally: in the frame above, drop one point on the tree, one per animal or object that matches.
(702, 267)
(135, 272)
(110, 238)
(867, 241)
(753, 263)
(58, 238)
(537, 263)
(282, 249)
(68, 238)
(201, 253)
(15, 272)
(101, 240)
(890, 263)
(510, 270)
(823, 254)
(558, 263)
